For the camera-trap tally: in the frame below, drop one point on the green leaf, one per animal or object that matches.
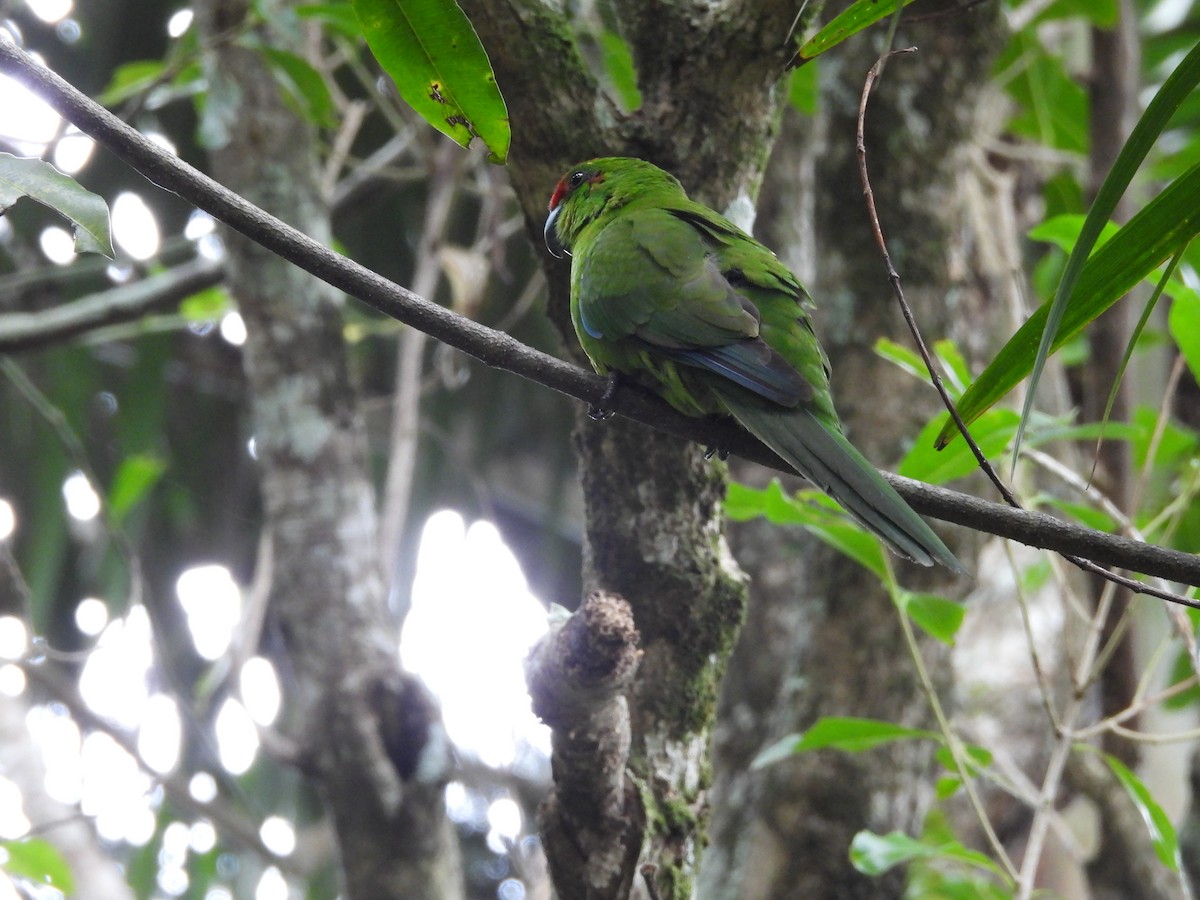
(804, 88)
(811, 510)
(1173, 92)
(618, 64)
(39, 861)
(207, 305)
(1084, 514)
(1181, 670)
(946, 787)
(134, 478)
(1053, 107)
(440, 68)
(40, 181)
(1162, 832)
(938, 617)
(1101, 13)
(743, 502)
(303, 84)
(338, 16)
(834, 733)
(858, 16)
(992, 432)
(874, 854)
(1063, 231)
(131, 79)
(1184, 325)
(1164, 225)
(977, 758)
(827, 521)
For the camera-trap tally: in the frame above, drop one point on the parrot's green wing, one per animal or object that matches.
(650, 278)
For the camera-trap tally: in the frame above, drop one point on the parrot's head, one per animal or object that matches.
(597, 189)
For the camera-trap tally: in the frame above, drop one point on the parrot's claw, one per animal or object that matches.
(599, 410)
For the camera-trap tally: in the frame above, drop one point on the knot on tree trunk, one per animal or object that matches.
(592, 821)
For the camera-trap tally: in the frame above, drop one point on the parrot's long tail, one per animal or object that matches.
(824, 456)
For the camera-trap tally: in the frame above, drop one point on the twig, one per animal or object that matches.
(501, 351)
(953, 743)
(894, 279)
(28, 331)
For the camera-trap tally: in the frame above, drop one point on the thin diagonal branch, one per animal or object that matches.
(1087, 565)
(501, 351)
(33, 330)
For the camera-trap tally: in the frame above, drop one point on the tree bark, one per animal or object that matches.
(708, 77)
(821, 637)
(370, 735)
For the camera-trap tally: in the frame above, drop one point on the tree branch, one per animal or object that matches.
(501, 351)
(592, 820)
(30, 331)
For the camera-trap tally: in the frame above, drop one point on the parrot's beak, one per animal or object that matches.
(553, 244)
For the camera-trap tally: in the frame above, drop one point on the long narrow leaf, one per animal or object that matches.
(1150, 238)
(1173, 92)
(1130, 346)
(848, 23)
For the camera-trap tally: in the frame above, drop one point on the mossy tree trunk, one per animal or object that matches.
(711, 79)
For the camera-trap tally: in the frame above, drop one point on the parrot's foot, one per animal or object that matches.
(720, 452)
(600, 411)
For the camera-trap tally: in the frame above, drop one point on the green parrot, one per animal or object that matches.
(673, 295)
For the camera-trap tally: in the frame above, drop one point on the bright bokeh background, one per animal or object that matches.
(471, 624)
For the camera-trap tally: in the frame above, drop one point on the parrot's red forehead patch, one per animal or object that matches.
(560, 191)
(571, 182)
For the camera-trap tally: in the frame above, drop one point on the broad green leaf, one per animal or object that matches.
(1184, 324)
(1063, 231)
(40, 181)
(938, 617)
(1164, 225)
(303, 85)
(131, 79)
(1082, 513)
(946, 786)
(848, 734)
(1174, 90)
(39, 861)
(1053, 107)
(339, 16)
(858, 16)
(217, 107)
(1162, 832)
(804, 88)
(743, 502)
(811, 510)
(977, 758)
(827, 521)
(1132, 344)
(440, 68)
(1101, 13)
(954, 370)
(903, 356)
(1176, 444)
(1181, 670)
(134, 478)
(207, 305)
(618, 64)
(874, 854)
(992, 432)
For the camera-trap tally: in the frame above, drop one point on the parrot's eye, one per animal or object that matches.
(576, 179)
